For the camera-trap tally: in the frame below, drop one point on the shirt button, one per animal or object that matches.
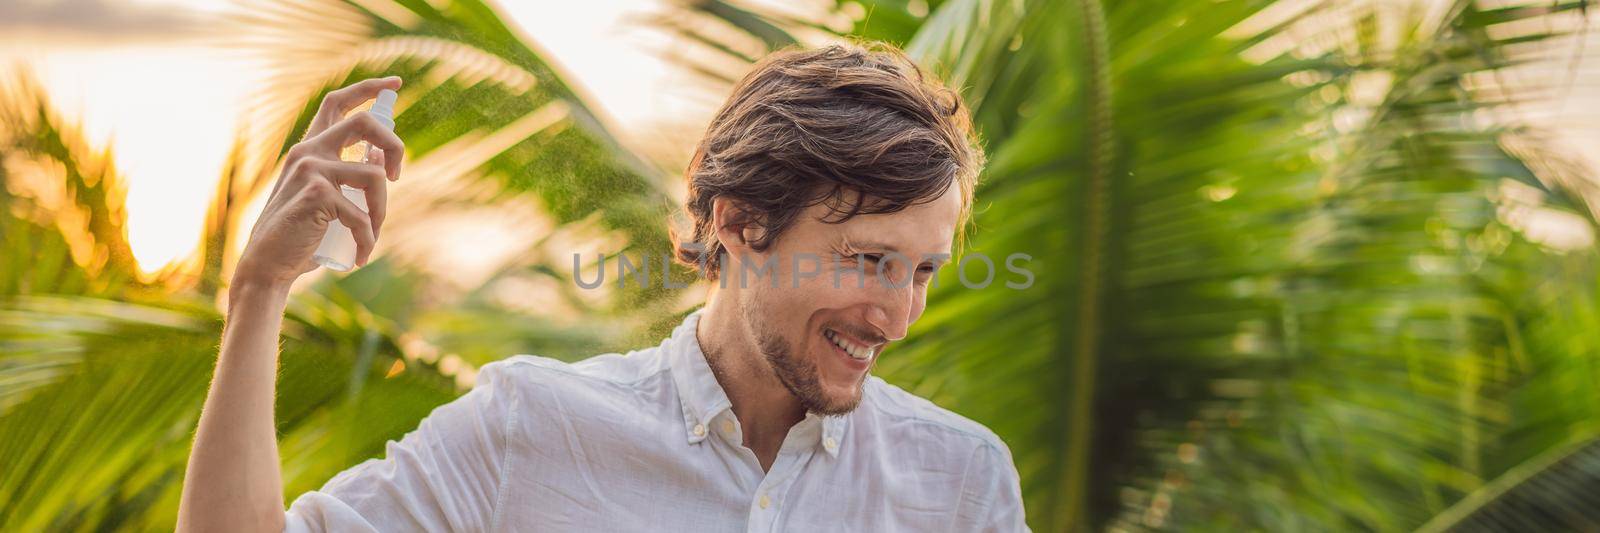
(765, 501)
(830, 443)
(699, 430)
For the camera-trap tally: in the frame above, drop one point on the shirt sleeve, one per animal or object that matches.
(443, 476)
(992, 494)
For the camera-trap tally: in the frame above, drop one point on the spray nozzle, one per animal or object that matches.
(383, 108)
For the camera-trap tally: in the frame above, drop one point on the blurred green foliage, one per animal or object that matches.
(1285, 277)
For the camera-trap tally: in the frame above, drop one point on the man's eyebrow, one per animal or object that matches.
(940, 258)
(872, 245)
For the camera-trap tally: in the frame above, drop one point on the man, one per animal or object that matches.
(842, 173)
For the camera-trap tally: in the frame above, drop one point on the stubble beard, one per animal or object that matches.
(800, 376)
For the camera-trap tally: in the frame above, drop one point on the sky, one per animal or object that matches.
(146, 77)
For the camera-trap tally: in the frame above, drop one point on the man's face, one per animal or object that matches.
(843, 291)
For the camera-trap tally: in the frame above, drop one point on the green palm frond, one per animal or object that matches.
(1269, 269)
(62, 199)
(733, 34)
(1553, 492)
(489, 125)
(493, 132)
(107, 393)
(487, 120)
(65, 429)
(1284, 274)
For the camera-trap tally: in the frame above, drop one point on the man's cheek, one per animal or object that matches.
(804, 270)
(847, 276)
(919, 304)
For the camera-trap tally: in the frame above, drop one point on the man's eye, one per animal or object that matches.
(927, 269)
(872, 258)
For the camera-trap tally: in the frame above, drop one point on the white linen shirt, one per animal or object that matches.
(646, 441)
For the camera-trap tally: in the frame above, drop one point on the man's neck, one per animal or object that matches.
(765, 408)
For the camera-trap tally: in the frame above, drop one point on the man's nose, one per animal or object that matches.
(890, 312)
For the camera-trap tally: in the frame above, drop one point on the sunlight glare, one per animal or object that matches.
(168, 114)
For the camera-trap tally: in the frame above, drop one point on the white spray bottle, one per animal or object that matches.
(338, 248)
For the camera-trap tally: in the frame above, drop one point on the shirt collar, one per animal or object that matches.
(703, 398)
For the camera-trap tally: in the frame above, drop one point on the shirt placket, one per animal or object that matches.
(767, 503)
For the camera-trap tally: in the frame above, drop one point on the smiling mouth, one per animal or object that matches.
(858, 352)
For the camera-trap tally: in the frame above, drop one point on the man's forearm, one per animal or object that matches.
(233, 482)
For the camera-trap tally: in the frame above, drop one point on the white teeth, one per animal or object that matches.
(856, 352)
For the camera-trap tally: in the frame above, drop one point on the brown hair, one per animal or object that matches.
(859, 128)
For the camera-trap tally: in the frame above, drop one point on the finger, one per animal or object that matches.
(291, 157)
(360, 227)
(365, 176)
(376, 157)
(363, 127)
(336, 103)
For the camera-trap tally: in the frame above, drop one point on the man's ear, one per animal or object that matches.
(737, 226)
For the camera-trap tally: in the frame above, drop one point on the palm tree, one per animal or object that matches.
(104, 372)
(1309, 323)
(1286, 276)
(66, 204)
(1278, 287)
